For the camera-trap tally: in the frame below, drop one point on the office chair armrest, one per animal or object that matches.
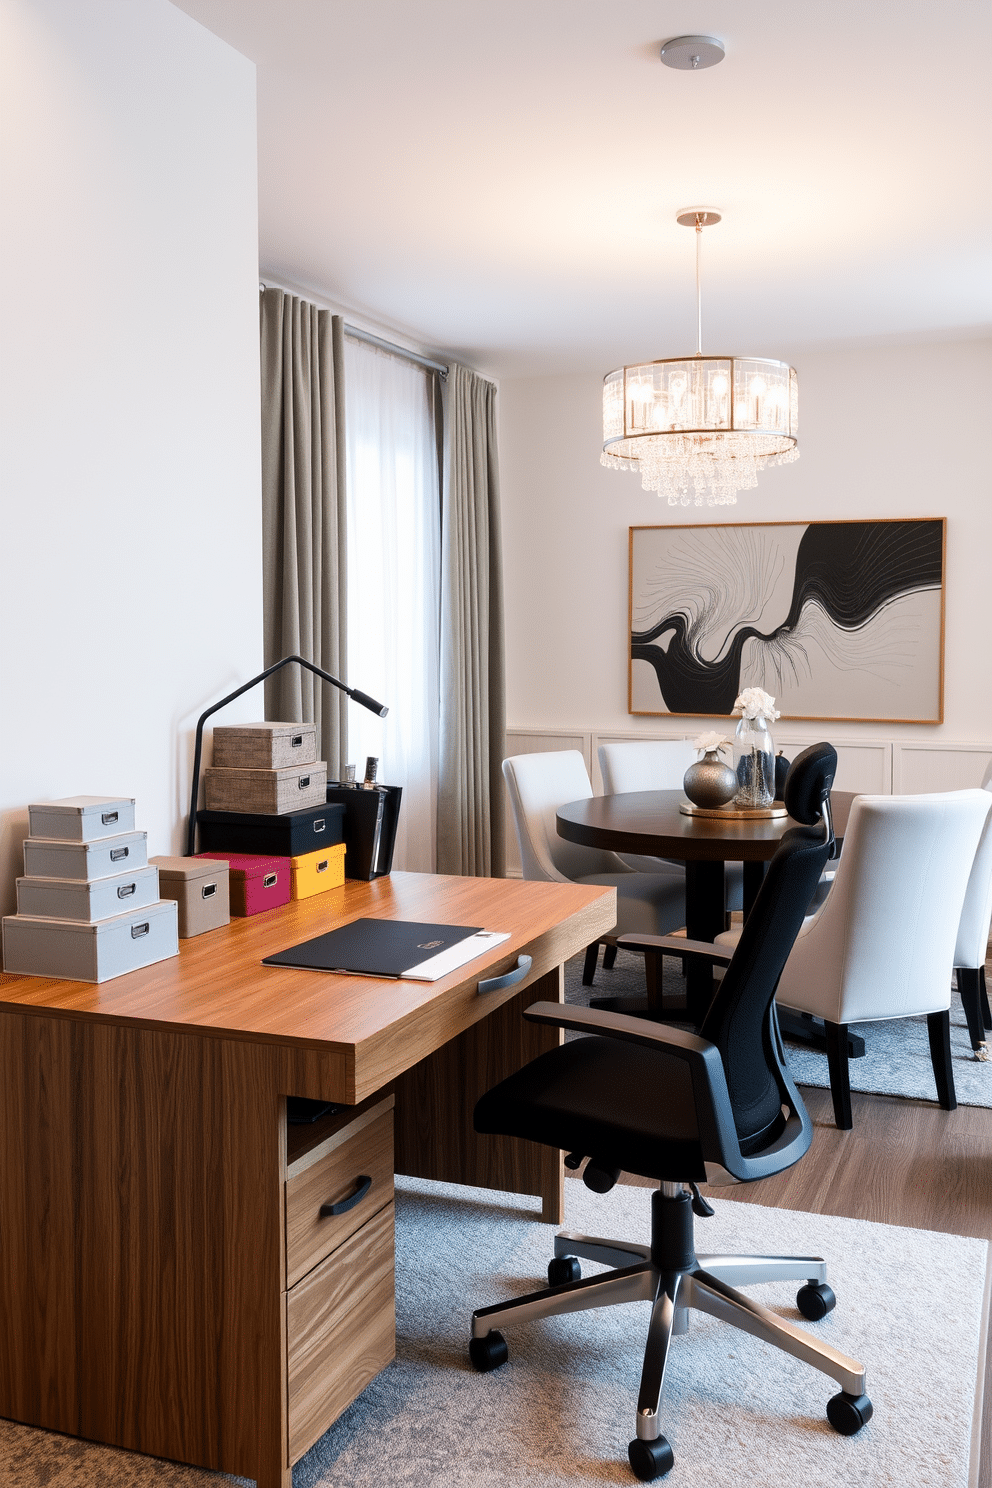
(678, 945)
(714, 1113)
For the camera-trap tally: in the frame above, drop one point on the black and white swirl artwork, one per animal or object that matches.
(835, 619)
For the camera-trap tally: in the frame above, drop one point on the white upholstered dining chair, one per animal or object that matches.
(658, 764)
(882, 944)
(537, 784)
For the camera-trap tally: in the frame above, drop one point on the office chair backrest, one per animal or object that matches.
(976, 916)
(739, 1019)
(645, 764)
(885, 935)
(537, 785)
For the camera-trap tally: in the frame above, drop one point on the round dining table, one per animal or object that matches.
(650, 823)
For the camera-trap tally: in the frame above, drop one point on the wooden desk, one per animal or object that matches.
(143, 1183)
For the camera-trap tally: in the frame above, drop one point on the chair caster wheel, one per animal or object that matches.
(563, 1269)
(815, 1300)
(488, 1353)
(650, 1459)
(848, 1413)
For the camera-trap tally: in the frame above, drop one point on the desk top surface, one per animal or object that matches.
(650, 822)
(218, 985)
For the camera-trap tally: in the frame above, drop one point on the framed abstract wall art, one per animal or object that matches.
(838, 620)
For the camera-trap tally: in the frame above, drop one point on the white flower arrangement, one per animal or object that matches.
(754, 702)
(711, 740)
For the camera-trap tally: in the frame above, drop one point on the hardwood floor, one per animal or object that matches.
(905, 1163)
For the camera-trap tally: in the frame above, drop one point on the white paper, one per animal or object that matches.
(438, 966)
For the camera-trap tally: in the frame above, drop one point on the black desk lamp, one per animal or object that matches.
(353, 692)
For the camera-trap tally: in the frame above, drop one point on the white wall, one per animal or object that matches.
(886, 432)
(130, 562)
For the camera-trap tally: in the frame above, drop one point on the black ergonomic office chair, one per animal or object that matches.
(683, 1108)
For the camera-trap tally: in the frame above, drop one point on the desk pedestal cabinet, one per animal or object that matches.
(167, 1283)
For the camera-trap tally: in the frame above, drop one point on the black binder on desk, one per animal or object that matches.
(370, 818)
(391, 948)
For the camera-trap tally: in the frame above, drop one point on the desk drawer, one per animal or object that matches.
(340, 1330)
(334, 1177)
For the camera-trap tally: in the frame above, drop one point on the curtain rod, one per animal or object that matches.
(390, 346)
(411, 356)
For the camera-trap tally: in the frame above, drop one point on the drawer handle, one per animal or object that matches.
(269, 880)
(303, 782)
(318, 826)
(297, 741)
(509, 978)
(109, 817)
(124, 891)
(322, 866)
(362, 1185)
(208, 891)
(137, 931)
(118, 853)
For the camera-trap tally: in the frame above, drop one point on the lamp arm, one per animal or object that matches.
(353, 692)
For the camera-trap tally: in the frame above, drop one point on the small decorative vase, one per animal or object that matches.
(709, 782)
(754, 763)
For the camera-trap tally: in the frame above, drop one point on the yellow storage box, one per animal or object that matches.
(314, 872)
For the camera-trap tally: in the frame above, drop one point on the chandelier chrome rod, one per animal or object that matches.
(699, 292)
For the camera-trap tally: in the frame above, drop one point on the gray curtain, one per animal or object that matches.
(303, 515)
(470, 835)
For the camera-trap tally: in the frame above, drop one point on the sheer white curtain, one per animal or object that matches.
(393, 549)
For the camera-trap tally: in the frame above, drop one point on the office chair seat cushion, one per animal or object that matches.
(629, 1107)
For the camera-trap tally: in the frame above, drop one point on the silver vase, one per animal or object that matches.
(709, 782)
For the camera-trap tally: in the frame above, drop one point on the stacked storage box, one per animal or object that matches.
(88, 906)
(265, 800)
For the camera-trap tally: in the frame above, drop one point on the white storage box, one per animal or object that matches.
(87, 899)
(82, 818)
(91, 952)
(46, 858)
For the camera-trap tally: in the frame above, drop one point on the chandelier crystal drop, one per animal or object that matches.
(700, 428)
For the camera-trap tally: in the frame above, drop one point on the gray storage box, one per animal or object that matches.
(87, 899)
(46, 858)
(92, 952)
(269, 792)
(265, 746)
(82, 818)
(201, 889)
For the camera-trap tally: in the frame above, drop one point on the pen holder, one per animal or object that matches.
(370, 818)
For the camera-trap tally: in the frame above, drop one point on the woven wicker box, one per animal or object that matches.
(265, 746)
(266, 791)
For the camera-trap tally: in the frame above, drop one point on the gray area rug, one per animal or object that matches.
(897, 1061)
(561, 1412)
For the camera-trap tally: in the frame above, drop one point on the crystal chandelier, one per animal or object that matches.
(700, 428)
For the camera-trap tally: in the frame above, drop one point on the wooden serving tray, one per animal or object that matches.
(734, 813)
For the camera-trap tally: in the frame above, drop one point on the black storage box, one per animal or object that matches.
(287, 836)
(370, 818)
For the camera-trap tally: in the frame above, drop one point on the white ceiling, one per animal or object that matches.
(499, 178)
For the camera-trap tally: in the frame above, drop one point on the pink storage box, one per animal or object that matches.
(257, 883)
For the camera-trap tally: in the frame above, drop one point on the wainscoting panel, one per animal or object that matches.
(861, 767)
(939, 767)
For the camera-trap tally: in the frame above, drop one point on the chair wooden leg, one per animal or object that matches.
(589, 965)
(939, 1030)
(969, 990)
(609, 957)
(986, 1010)
(840, 1075)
